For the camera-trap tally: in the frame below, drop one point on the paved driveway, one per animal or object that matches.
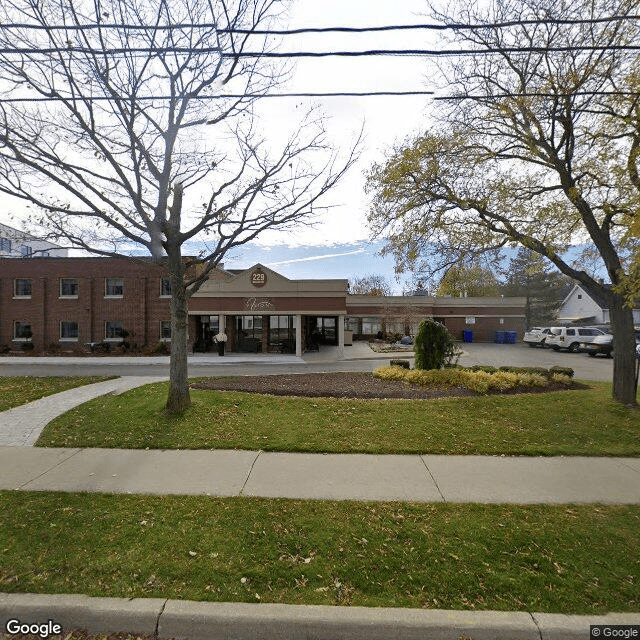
(359, 357)
(520, 355)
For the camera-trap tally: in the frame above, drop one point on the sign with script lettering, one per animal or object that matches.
(259, 304)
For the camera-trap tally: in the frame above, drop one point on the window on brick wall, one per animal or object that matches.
(22, 331)
(371, 326)
(68, 288)
(113, 330)
(22, 288)
(114, 287)
(69, 330)
(165, 287)
(165, 330)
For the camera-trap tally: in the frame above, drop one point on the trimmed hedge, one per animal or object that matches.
(474, 379)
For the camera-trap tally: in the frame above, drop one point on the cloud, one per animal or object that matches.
(320, 257)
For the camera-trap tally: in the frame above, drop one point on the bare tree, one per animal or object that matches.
(370, 285)
(114, 128)
(538, 146)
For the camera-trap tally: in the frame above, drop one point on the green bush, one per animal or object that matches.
(434, 346)
(486, 368)
(475, 380)
(564, 371)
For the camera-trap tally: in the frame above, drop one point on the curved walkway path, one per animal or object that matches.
(22, 426)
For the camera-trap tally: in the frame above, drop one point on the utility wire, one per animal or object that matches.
(335, 94)
(310, 54)
(432, 27)
(309, 94)
(424, 52)
(303, 30)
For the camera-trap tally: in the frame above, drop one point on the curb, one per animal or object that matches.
(186, 620)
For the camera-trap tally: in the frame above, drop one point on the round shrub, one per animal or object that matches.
(434, 346)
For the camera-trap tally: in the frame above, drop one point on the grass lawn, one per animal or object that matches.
(579, 422)
(569, 559)
(18, 390)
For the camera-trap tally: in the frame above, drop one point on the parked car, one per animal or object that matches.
(537, 336)
(571, 338)
(602, 345)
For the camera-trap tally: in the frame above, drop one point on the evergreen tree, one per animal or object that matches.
(544, 289)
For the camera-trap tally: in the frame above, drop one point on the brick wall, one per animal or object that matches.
(140, 308)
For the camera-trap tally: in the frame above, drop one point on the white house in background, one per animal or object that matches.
(19, 244)
(580, 306)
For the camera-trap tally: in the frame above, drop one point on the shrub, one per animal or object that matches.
(400, 363)
(434, 346)
(160, 348)
(390, 373)
(484, 367)
(565, 371)
(478, 380)
(27, 346)
(532, 380)
(561, 378)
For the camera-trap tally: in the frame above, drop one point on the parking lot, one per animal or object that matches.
(521, 355)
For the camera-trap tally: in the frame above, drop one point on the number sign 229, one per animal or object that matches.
(258, 278)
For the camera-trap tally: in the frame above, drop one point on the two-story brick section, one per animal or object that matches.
(54, 304)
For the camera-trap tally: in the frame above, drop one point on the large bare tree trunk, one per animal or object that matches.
(178, 399)
(624, 381)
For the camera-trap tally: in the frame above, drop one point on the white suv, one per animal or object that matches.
(570, 338)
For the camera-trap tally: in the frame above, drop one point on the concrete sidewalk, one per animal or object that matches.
(415, 478)
(187, 620)
(21, 426)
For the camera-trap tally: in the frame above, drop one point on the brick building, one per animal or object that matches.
(67, 304)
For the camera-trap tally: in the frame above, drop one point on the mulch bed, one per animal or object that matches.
(346, 385)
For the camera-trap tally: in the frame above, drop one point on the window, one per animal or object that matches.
(22, 331)
(22, 288)
(250, 326)
(68, 288)
(5, 244)
(165, 330)
(371, 326)
(114, 287)
(352, 324)
(26, 251)
(165, 287)
(113, 330)
(69, 331)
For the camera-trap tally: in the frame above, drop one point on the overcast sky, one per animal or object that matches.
(386, 120)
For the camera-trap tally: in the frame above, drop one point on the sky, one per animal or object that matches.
(385, 121)
(338, 244)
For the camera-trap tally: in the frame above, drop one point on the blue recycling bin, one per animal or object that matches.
(468, 335)
(501, 337)
(512, 337)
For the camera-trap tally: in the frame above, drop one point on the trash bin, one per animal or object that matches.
(512, 337)
(468, 335)
(501, 337)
